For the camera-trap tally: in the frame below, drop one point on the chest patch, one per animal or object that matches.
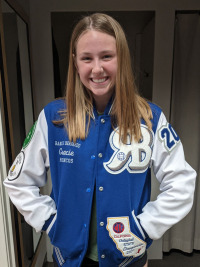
(133, 156)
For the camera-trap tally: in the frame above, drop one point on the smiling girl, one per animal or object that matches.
(99, 212)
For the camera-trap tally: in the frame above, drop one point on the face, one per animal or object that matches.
(96, 62)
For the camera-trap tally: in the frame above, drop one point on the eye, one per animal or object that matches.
(86, 59)
(107, 57)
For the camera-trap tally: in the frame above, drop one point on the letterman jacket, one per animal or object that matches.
(127, 220)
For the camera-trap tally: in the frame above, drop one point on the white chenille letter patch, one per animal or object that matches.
(168, 136)
(133, 156)
(126, 242)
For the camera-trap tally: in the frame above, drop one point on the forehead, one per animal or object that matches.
(92, 40)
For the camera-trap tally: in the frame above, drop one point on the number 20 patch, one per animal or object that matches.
(168, 135)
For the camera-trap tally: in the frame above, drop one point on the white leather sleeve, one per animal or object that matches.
(27, 174)
(177, 184)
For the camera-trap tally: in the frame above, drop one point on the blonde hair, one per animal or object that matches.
(128, 107)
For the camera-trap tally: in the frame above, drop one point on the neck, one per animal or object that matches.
(101, 102)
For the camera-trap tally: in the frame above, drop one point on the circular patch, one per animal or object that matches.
(118, 227)
(16, 167)
(29, 136)
(121, 156)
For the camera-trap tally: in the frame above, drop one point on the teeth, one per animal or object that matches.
(99, 80)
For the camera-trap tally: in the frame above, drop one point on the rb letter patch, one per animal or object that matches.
(133, 156)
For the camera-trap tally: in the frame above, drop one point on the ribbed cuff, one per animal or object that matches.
(148, 240)
(48, 222)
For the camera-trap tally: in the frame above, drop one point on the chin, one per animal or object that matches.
(101, 93)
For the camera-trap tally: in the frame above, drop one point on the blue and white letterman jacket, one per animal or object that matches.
(127, 220)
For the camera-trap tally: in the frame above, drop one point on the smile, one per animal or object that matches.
(99, 80)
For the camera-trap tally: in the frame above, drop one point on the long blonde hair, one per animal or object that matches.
(128, 107)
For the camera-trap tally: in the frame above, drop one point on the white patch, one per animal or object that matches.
(16, 167)
(126, 242)
(133, 156)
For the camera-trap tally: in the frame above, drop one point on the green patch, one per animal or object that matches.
(29, 136)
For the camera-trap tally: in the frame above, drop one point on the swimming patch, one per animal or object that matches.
(16, 167)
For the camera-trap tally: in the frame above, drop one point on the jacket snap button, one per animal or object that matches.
(101, 188)
(100, 155)
(101, 223)
(102, 121)
(103, 256)
(88, 190)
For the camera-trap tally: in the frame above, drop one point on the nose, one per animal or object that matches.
(97, 68)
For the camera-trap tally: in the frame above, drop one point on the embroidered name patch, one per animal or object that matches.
(66, 150)
(168, 136)
(126, 242)
(133, 156)
(16, 167)
(29, 136)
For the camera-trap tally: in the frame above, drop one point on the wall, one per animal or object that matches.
(40, 12)
(25, 5)
(6, 232)
(6, 241)
(40, 18)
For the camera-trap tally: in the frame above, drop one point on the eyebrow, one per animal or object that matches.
(102, 52)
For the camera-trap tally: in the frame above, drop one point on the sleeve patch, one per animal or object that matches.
(168, 136)
(16, 167)
(29, 136)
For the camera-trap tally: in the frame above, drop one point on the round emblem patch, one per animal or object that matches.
(16, 167)
(118, 227)
(29, 136)
(121, 156)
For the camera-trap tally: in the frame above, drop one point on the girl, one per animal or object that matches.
(100, 144)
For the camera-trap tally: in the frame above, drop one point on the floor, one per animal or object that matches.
(173, 259)
(177, 259)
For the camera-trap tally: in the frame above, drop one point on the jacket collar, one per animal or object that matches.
(107, 110)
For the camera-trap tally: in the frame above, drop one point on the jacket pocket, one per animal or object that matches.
(138, 225)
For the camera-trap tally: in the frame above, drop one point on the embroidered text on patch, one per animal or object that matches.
(126, 242)
(133, 156)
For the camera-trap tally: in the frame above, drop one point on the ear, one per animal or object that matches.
(75, 63)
